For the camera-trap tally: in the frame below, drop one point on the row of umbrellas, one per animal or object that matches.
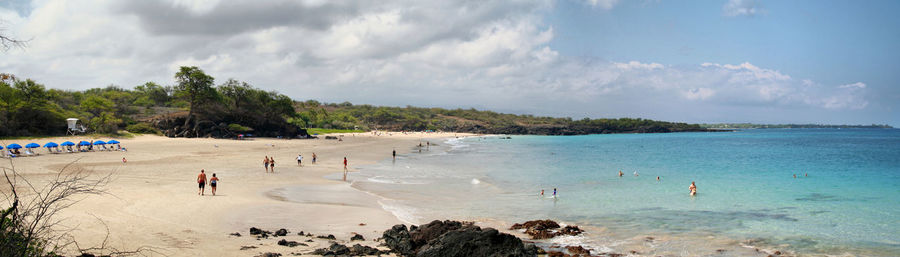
(67, 143)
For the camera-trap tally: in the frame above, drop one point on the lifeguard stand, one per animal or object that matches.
(74, 127)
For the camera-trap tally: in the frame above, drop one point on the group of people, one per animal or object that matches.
(269, 163)
(201, 180)
(300, 159)
(692, 188)
(554, 192)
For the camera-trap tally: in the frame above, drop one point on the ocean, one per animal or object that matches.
(845, 199)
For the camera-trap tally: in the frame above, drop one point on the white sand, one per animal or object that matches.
(152, 202)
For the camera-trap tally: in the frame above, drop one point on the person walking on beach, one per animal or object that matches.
(201, 180)
(212, 183)
(272, 164)
(693, 189)
(299, 160)
(394, 154)
(266, 164)
(345, 163)
(123, 160)
(314, 158)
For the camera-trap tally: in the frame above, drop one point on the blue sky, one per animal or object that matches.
(694, 61)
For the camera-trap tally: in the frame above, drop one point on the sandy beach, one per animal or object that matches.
(152, 202)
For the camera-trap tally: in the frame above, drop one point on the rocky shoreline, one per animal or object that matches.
(446, 238)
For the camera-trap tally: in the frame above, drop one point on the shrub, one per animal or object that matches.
(142, 128)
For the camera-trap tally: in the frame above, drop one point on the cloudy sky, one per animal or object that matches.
(695, 61)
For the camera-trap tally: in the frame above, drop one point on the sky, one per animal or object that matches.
(830, 62)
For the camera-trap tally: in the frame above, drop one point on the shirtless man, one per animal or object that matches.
(266, 164)
(693, 188)
(201, 180)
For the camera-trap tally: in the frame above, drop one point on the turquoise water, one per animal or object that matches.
(747, 196)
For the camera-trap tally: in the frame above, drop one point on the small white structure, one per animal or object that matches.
(73, 126)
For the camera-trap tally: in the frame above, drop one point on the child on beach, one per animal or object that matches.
(299, 160)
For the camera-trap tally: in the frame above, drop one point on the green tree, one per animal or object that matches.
(196, 87)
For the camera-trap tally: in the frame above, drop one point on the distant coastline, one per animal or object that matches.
(764, 126)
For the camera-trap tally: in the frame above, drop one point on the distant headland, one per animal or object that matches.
(763, 126)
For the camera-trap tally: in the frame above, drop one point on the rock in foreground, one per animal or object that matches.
(453, 238)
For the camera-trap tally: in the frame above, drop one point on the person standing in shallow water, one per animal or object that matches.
(693, 188)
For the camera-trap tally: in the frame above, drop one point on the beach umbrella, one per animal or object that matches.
(99, 142)
(112, 142)
(67, 143)
(1, 147)
(13, 146)
(50, 144)
(32, 145)
(84, 143)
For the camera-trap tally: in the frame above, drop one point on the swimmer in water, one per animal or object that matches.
(542, 192)
(635, 173)
(620, 173)
(554, 192)
(693, 188)
(657, 178)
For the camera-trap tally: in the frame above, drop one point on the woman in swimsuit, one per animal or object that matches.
(693, 188)
(212, 183)
(272, 164)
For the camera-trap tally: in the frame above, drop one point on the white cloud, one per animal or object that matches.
(605, 4)
(484, 54)
(743, 8)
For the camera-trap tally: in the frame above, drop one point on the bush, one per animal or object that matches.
(238, 128)
(143, 128)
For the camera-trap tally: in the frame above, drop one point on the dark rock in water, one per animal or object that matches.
(289, 243)
(570, 230)
(777, 252)
(281, 232)
(720, 250)
(649, 239)
(269, 255)
(634, 252)
(329, 237)
(398, 240)
(309, 240)
(235, 234)
(546, 224)
(473, 241)
(300, 234)
(247, 247)
(357, 237)
(542, 229)
(334, 249)
(578, 250)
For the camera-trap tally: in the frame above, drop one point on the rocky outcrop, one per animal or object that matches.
(453, 238)
(357, 237)
(355, 250)
(544, 229)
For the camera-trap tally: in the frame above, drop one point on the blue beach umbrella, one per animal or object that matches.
(99, 142)
(67, 143)
(51, 144)
(32, 145)
(1, 147)
(13, 146)
(112, 142)
(84, 143)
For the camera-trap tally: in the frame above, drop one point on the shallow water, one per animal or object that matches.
(747, 195)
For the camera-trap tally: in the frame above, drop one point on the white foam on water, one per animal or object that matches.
(404, 213)
(475, 181)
